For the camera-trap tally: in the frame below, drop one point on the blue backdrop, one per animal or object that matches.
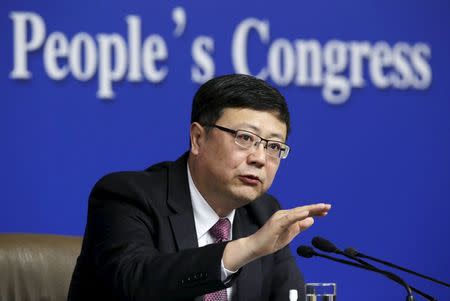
(90, 87)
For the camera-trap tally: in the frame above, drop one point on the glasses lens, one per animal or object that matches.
(277, 149)
(245, 139)
(284, 152)
(273, 148)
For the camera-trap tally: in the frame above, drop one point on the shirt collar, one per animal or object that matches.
(205, 217)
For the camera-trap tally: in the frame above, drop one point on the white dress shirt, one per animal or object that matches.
(205, 217)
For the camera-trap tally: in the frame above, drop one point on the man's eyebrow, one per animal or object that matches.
(254, 129)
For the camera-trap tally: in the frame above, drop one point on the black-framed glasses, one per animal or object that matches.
(247, 139)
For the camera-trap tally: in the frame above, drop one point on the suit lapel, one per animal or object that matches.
(179, 200)
(248, 284)
(184, 230)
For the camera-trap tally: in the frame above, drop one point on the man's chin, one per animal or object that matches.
(245, 196)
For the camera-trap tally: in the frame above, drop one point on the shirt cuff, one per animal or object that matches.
(225, 273)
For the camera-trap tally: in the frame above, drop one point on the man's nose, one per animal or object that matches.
(258, 154)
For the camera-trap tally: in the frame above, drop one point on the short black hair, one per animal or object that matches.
(237, 91)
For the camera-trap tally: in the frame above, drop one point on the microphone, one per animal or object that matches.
(355, 253)
(327, 246)
(308, 252)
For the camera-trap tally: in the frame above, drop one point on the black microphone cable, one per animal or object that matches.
(308, 252)
(327, 246)
(353, 252)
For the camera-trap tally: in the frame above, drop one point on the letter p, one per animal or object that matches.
(21, 45)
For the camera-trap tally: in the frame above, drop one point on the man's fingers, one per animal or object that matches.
(318, 208)
(306, 223)
(314, 209)
(289, 217)
(302, 215)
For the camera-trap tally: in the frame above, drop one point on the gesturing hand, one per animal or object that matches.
(276, 233)
(283, 226)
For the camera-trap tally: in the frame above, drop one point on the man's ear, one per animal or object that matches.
(197, 135)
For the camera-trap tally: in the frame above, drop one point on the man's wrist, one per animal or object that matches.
(238, 253)
(226, 273)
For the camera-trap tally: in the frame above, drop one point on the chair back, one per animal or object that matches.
(37, 267)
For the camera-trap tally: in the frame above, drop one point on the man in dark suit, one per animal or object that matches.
(202, 227)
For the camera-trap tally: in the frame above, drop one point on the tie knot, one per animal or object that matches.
(221, 230)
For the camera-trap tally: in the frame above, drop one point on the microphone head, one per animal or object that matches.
(351, 252)
(306, 251)
(324, 245)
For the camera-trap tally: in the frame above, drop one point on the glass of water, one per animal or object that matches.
(320, 291)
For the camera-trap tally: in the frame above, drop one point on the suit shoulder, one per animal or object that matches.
(133, 184)
(268, 202)
(263, 208)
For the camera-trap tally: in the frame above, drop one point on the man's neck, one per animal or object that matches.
(216, 205)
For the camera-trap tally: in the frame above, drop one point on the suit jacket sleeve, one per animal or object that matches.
(122, 259)
(285, 274)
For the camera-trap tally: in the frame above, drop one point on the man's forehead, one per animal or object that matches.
(265, 123)
(274, 134)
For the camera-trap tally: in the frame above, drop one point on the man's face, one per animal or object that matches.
(229, 175)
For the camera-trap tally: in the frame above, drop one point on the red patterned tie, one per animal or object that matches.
(220, 232)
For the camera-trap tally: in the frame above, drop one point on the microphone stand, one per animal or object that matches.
(363, 262)
(358, 254)
(395, 278)
(327, 246)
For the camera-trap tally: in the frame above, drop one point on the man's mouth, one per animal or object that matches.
(250, 180)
